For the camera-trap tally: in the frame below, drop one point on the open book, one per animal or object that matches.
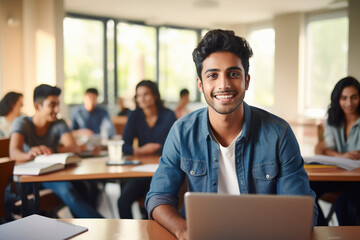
(345, 163)
(46, 163)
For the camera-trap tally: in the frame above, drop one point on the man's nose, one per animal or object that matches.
(224, 82)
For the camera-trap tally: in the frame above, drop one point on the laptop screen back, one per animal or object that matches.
(220, 216)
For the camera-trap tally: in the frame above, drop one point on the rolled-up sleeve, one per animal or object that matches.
(168, 178)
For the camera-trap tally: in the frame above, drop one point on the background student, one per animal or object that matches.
(45, 134)
(181, 110)
(91, 118)
(342, 139)
(228, 147)
(150, 123)
(10, 108)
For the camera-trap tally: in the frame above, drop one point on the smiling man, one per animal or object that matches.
(228, 147)
(45, 134)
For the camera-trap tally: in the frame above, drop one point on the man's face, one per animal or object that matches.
(90, 101)
(223, 82)
(49, 108)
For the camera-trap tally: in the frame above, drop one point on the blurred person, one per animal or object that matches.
(181, 109)
(124, 111)
(342, 139)
(10, 108)
(91, 118)
(150, 123)
(45, 134)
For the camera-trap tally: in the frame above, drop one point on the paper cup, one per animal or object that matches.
(115, 150)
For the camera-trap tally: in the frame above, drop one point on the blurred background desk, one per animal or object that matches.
(87, 169)
(332, 174)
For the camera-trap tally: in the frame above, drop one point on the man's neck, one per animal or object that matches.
(226, 127)
(41, 125)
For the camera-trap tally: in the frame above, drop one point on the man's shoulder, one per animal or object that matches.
(262, 115)
(23, 120)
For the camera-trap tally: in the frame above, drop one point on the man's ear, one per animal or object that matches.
(37, 105)
(199, 84)
(247, 82)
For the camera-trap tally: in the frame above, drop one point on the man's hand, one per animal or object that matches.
(39, 150)
(183, 235)
(169, 217)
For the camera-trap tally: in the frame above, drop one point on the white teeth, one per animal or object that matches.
(223, 96)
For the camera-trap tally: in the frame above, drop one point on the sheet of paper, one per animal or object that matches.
(36, 227)
(345, 163)
(146, 168)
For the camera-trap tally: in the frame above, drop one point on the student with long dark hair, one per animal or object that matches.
(10, 108)
(342, 139)
(150, 123)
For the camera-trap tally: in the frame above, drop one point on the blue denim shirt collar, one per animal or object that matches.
(245, 129)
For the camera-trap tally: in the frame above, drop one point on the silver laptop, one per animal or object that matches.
(219, 216)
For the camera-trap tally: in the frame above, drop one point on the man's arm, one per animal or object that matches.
(16, 149)
(169, 217)
(68, 144)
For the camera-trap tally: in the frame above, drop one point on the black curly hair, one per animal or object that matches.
(222, 40)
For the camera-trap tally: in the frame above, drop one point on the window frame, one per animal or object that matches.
(104, 20)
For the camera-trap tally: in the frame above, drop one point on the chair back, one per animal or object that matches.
(4, 147)
(119, 123)
(6, 172)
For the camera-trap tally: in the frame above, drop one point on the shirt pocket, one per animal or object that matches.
(265, 175)
(196, 174)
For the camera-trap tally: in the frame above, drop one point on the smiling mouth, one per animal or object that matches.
(224, 97)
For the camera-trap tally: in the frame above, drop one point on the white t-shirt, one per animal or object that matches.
(227, 179)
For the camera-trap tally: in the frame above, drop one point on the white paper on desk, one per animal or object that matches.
(345, 163)
(146, 168)
(36, 227)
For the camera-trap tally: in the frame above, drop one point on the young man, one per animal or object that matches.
(45, 134)
(228, 147)
(91, 118)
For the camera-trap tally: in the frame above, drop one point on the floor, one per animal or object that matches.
(108, 204)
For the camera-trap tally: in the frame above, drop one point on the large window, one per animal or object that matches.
(262, 41)
(136, 54)
(114, 55)
(326, 59)
(84, 61)
(176, 67)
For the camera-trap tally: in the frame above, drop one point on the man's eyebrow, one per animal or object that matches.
(234, 68)
(212, 70)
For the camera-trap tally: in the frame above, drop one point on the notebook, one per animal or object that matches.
(36, 227)
(219, 216)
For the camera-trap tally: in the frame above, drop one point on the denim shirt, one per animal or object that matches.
(267, 155)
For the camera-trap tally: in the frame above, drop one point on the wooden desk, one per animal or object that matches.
(332, 174)
(93, 168)
(87, 169)
(109, 229)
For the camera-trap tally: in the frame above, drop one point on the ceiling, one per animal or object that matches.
(196, 13)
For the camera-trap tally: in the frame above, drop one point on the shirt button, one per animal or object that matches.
(215, 160)
(214, 183)
(267, 176)
(192, 172)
